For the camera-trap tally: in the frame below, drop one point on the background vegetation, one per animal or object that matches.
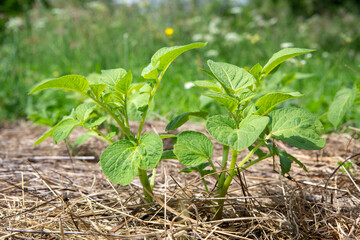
(46, 39)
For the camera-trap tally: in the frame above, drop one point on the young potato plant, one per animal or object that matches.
(252, 120)
(114, 96)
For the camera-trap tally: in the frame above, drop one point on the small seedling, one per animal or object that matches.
(252, 120)
(343, 102)
(114, 96)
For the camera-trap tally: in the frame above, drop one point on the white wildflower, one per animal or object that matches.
(97, 6)
(308, 55)
(292, 60)
(59, 12)
(213, 25)
(40, 23)
(212, 53)
(189, 85)
(233, 37)
(303, 62)
(286, 45)
(272, 21)
(236, 10)
(15, 23)
(325, 54)
(197, 37)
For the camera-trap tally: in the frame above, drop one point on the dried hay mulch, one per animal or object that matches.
(46, 194)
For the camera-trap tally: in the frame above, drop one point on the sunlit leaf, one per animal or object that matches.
(70, 82)
(297, 127)
(282, 56)
(193, 148)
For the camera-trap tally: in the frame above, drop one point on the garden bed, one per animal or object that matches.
(47, 194)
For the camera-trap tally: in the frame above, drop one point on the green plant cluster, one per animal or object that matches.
(253, 118)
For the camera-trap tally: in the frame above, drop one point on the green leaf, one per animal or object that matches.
(161, 60)
(297, 127)
(223, 129)
(289, 78)
(83, 138)
(256, 71)
(282, 56)
(70, 82)
(193, 148)
(83, 111)
(137, 101)
(258, 152)
(151, 148)
(245, 95)
(112, 76)
(50, 132)
(270, 100)
(343, 101)
(210, 74)
(249, 110)
(227, 100)
(231, 77)
(64, 128)
(179, 120)
(285, 162)
(165, 136)
(97, 89)
(209, 85)
(95, 122)
(123, 85)
(136, 86)
(297, 161)
(199, 169)
(168, 154)
(94, 78)
(44, 136)
(120, 162)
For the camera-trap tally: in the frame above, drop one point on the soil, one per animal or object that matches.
(43, 196)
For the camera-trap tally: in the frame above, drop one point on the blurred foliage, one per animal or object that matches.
(11, 8)
(85, 36)
(308, 8)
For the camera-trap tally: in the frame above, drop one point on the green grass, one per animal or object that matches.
(84, 39)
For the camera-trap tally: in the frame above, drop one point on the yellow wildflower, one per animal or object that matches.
(253, 38)
(169, 31)
(55, 74)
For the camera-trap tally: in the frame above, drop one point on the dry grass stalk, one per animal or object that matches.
(57, 199)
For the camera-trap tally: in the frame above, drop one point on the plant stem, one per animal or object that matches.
(68, 144)
(125, 112)
(245, 159)
(253, 162)
(143, 117)
(148, 193)
(223, 165)
(102, 136)
(152, 179)
(213, 167)
(121, 125)
(223, 190)
(205, 185)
